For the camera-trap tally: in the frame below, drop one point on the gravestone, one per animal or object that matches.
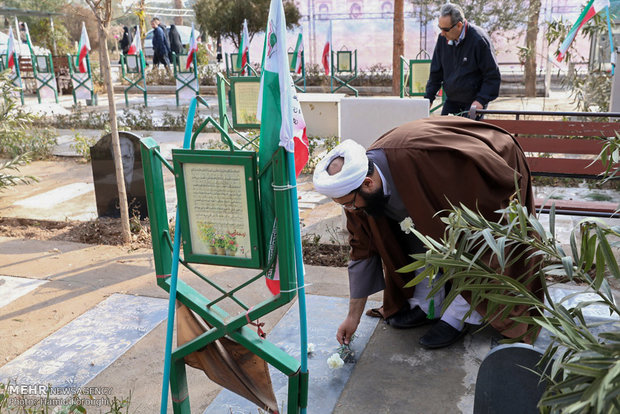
(104, 176)
(508, 381)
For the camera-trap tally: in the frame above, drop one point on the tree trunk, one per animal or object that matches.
(116, 147)
(178, 20)
(530, 44)
(399, 44)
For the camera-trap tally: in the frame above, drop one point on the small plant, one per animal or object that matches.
(160, 76)
(81, 144)
(316, 147)
(140, 118)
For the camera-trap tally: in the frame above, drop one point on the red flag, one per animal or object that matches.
(326, 59)
(136, 44)
(83, 50)
(193, 48)
(10, 50)
(244, 48)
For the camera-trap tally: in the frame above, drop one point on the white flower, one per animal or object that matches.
(335, 362)
(406, 225)
(311, 347)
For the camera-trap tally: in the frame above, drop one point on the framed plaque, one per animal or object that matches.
(132, 63)
(218, 207)
(42, 64)
(233, 61)
(419, 71)
(182, 59)
(244, 93)
(343, 61)
(290, 58)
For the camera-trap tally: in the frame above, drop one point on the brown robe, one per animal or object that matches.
(433, 161)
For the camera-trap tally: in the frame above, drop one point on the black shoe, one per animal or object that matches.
(442, 334)
(409, 318)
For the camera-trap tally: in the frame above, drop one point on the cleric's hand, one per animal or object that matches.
(346, 330)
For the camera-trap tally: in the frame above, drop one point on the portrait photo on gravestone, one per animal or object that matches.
(104, 176)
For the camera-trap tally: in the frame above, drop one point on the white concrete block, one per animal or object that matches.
(364, 119)
(321, 113)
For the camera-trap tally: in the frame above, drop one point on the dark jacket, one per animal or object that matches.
(468, 71)
(176, 45)
(160, 45)
(126, 40)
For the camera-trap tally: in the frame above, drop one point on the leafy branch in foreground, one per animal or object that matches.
(610, 157)
(473, 255)
(8, 179)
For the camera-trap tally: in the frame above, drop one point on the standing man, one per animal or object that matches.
(161, 50)
(412, 174)
(463, 63)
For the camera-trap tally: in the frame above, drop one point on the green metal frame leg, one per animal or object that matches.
(178, 387)
(293, 394)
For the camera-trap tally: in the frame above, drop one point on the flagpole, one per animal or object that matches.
(174, 275)
(611, 43)
(331, 58)
(19, 36)
(299, 266)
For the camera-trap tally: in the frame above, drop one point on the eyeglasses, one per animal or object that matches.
(443, 29)
(351, 204)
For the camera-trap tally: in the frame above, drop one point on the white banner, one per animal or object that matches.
(184, 80)
(46, 85)
(82, 85)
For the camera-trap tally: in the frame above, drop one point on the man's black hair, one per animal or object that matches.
(371, 168)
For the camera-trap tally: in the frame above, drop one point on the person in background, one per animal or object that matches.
(463, 64)
(176, 45)
(166, 38)
(161, 49)
(219, 50)
(125, 41)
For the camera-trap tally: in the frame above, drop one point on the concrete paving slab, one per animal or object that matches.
(56, 196)
(396, 375)
(324, 314)
(12, 288)
(81, 349)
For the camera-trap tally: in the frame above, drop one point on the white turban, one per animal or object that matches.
(349, 178)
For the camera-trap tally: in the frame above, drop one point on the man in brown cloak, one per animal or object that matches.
(409, 174)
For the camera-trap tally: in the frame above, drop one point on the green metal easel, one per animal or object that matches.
(233, 69)
(133, 69)
(299, 79)
(43, 70)
(345, 64)
(82, 82)
(413, 77)
(186, 79)
(15, 74)
(189, 164)
(243, 92)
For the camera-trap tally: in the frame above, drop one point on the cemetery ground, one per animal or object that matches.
(63, 269)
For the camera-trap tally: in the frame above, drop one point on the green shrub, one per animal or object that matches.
(158, 75)
(316, 146)
(16, 134)
(81, 144)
